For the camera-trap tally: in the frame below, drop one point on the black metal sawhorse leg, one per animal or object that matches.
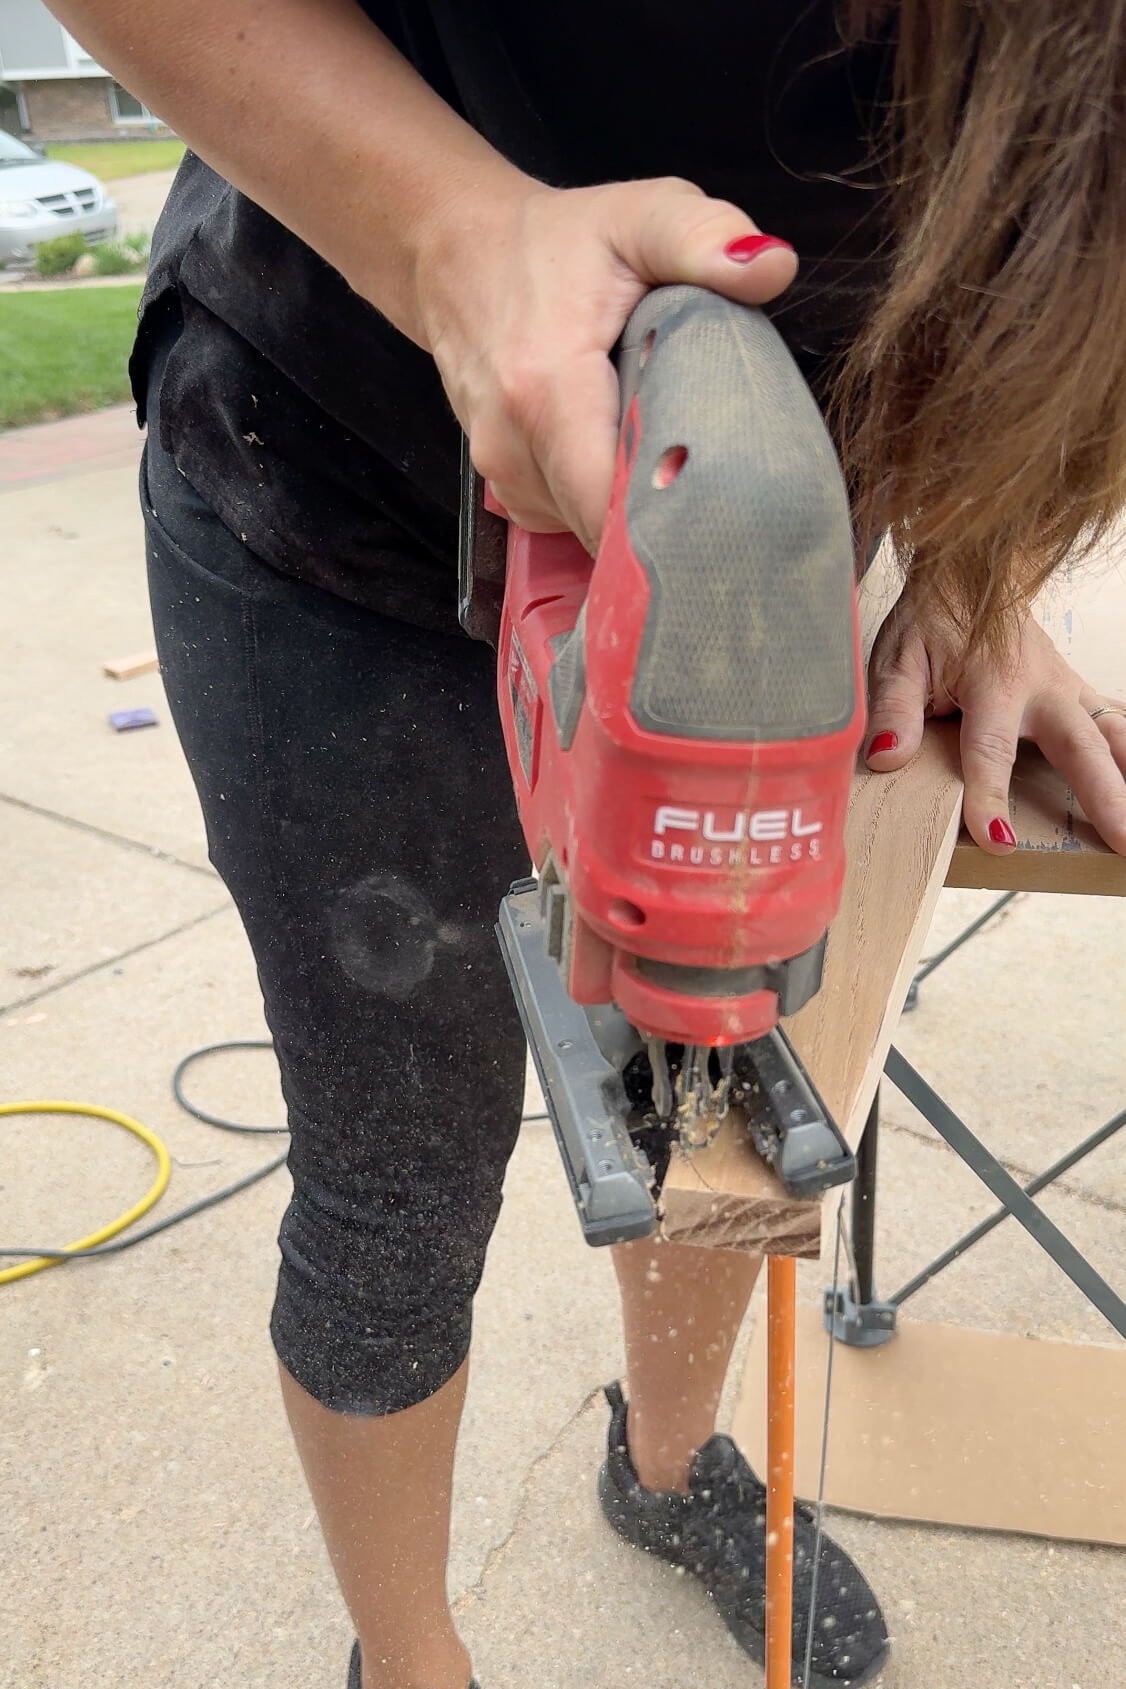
(856, 1316)
(859, 1318)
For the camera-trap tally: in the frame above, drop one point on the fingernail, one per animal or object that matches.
(883, 742)
(749, 247)
(1000, 831)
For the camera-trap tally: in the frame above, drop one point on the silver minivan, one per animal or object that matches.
(41, 198)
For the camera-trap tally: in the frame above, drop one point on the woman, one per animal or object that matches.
(950, 179)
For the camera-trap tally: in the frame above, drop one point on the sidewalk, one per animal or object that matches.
(156, 1528)
(81, 445)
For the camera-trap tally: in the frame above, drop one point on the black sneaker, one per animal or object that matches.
(718, 1532)
(356, 1675)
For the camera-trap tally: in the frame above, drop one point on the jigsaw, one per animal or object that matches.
(682, 717)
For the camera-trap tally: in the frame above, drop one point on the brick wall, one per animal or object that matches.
(78, 109)
(70, 109)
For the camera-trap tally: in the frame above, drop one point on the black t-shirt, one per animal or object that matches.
(320, 434)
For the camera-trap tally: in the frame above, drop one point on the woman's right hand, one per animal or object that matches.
(518, 290)
(521, 302)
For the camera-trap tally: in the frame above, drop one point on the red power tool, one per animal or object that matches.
(682, 718)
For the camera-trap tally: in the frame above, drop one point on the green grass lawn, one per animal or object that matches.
(64, 352)
(111, 159)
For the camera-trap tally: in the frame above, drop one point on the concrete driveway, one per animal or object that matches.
(140, 200)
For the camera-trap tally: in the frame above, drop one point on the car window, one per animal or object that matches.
(13, 151)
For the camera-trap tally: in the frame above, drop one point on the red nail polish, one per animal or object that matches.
(883, 742)
(1000, 832)
(749, 247)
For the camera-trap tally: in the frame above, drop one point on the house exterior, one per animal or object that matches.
(52, 90)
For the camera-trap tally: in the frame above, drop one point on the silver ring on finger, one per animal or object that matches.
(1107, 709)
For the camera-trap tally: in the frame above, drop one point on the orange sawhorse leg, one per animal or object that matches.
(781, 1281)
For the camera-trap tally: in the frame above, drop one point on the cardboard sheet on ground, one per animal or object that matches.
(958, 1427)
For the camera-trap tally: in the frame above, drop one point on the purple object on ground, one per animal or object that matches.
(122, 720)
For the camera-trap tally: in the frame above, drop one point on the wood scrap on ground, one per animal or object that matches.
(128, 668)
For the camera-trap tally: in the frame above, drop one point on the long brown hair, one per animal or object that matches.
(982, 411)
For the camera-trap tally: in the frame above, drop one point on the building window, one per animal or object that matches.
(13, 111)
(126, 108)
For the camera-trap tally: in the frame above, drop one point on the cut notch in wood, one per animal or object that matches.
(726, 1197)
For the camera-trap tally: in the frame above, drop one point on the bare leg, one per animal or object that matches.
(681, 1308)
(382, 1494)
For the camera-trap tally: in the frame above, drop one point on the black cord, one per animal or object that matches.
(202, 1114)
(117, 1246)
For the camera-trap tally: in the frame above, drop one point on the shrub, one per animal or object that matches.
(119, 257)
(56, 257)
(111, 259)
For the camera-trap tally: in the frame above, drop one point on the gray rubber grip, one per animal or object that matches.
(748, 633)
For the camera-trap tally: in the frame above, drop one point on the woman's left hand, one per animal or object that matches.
(916, 672)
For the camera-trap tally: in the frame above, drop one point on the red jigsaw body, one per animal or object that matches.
(698, 852)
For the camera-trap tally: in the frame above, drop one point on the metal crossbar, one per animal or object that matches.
(856, 1315)
(1005, 1188)
(933, 962)
(975, 1235)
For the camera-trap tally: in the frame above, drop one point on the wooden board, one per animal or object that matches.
(1084, 611)
(1059, 849)
(958, 1427)
(899, 837)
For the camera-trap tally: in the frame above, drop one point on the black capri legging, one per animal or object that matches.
(358, 806)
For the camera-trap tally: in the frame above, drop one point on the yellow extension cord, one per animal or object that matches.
(156, 1190)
